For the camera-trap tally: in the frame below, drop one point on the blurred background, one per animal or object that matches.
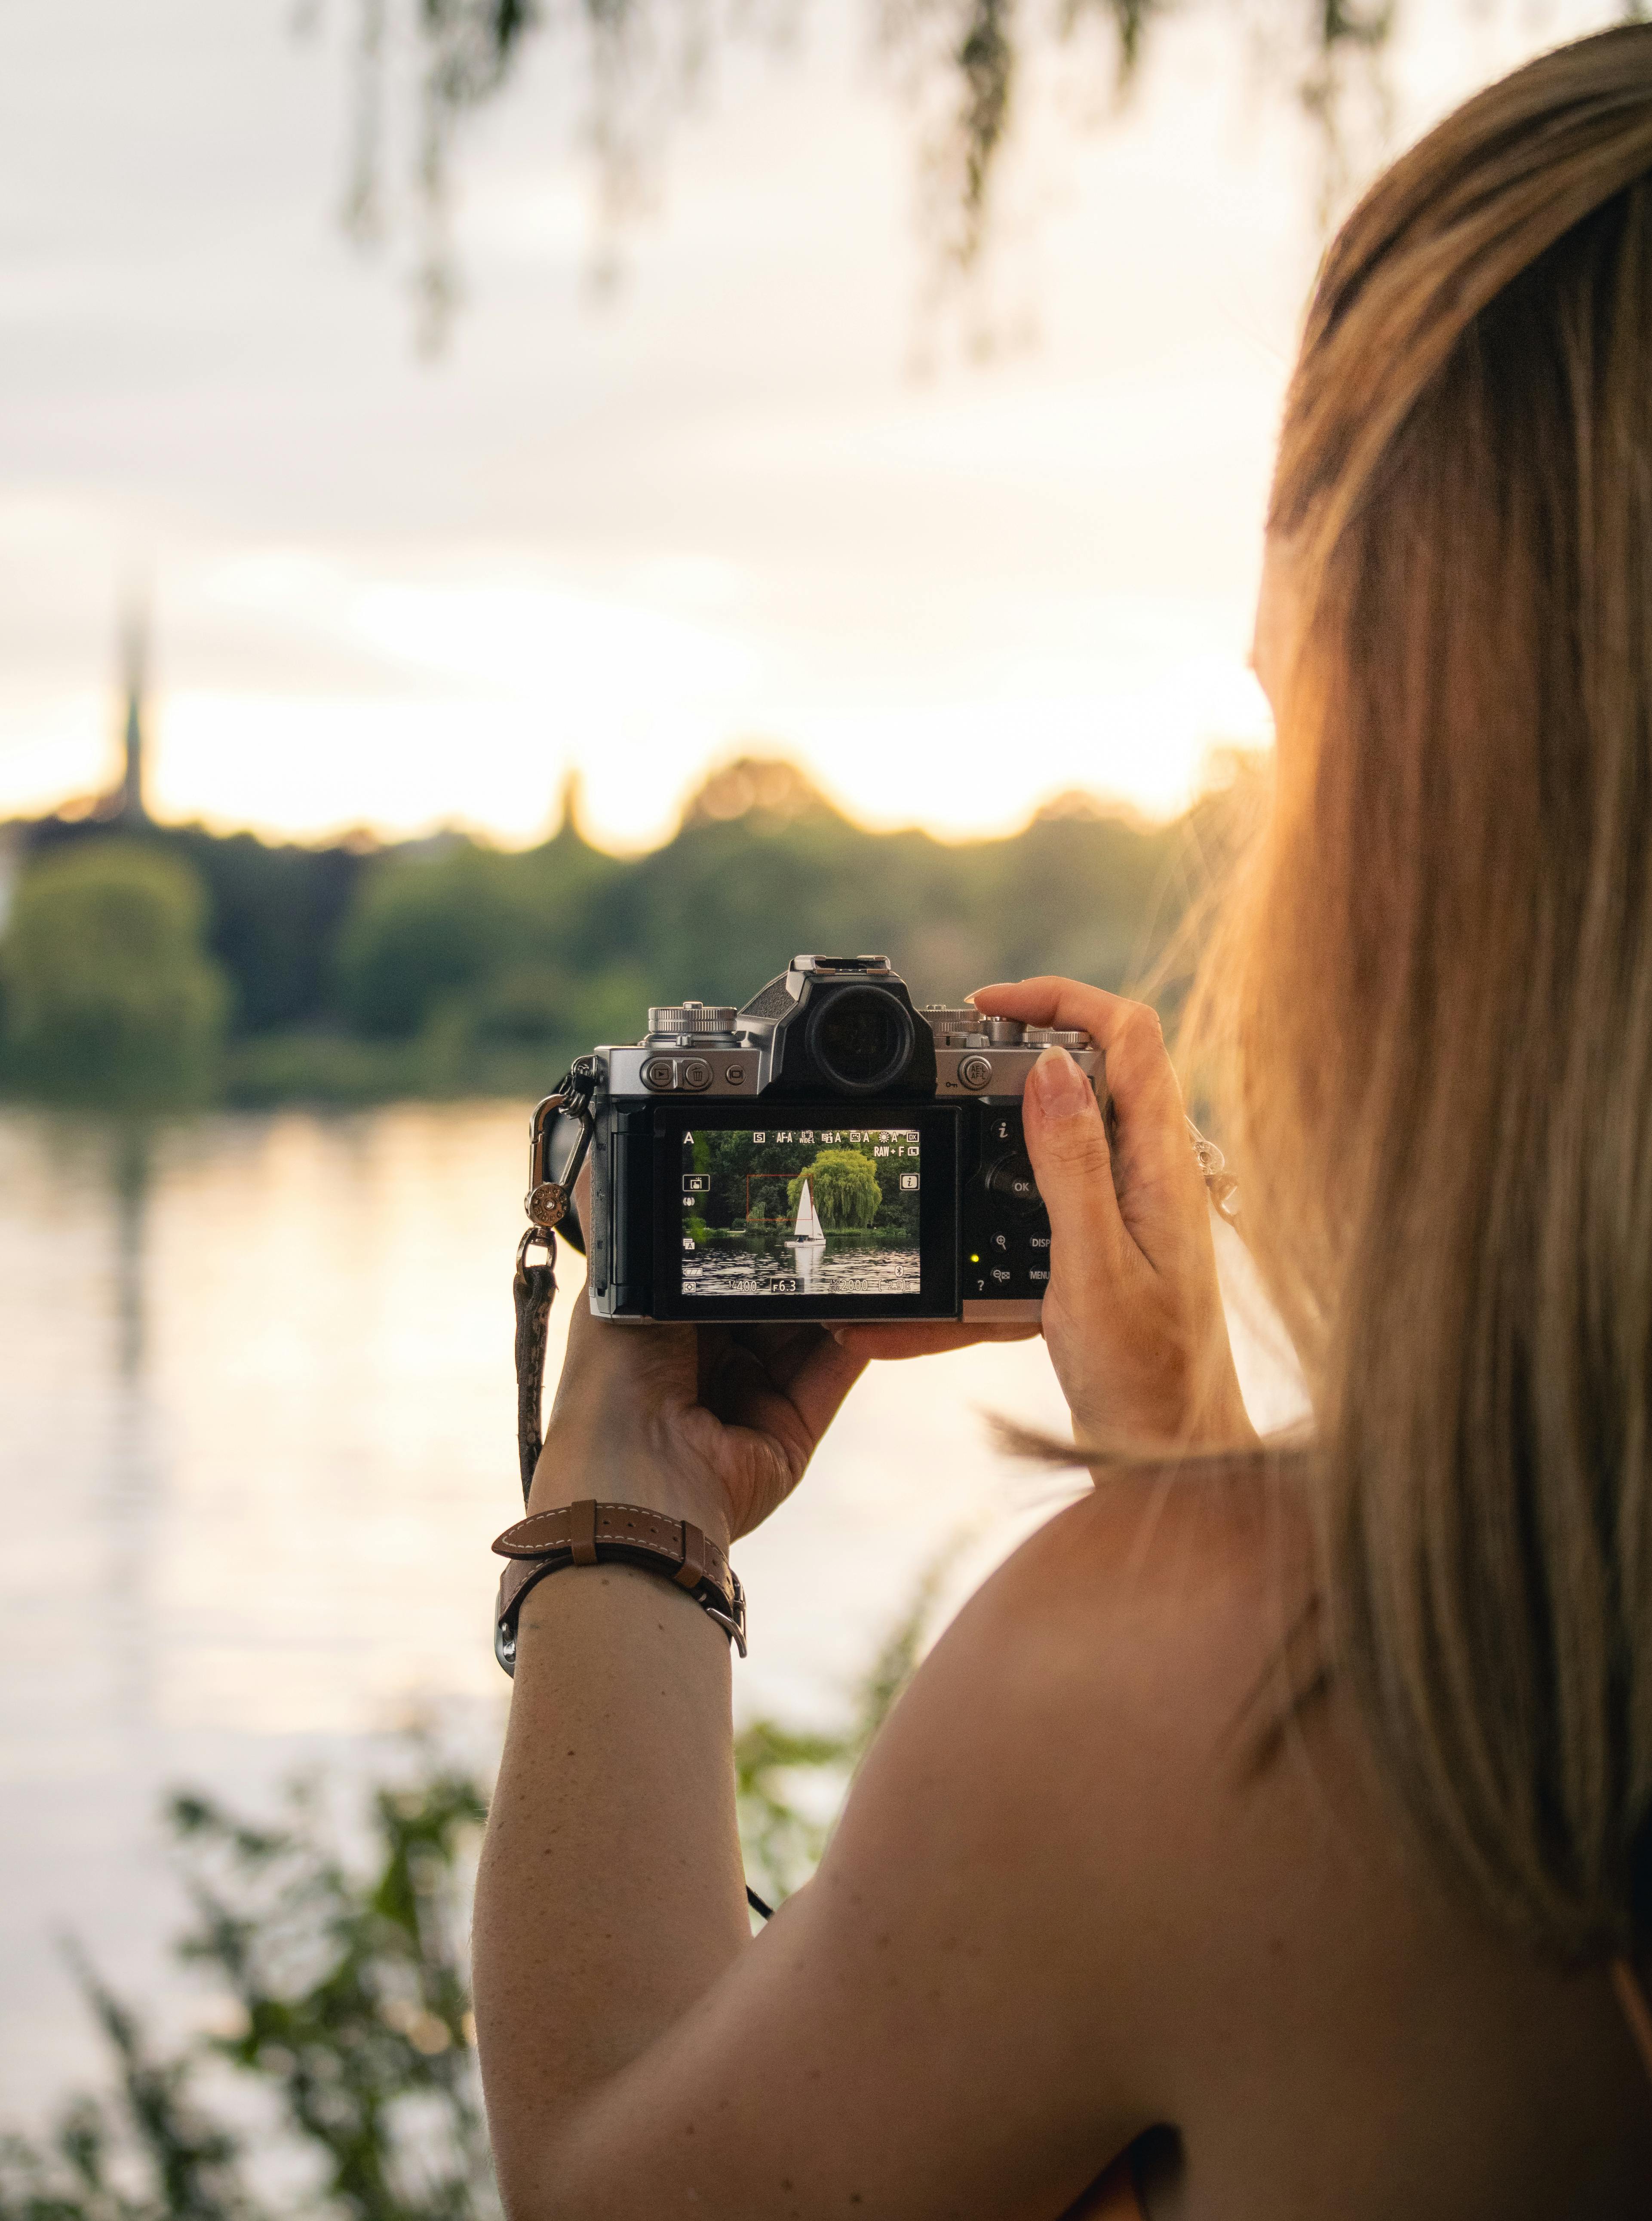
(508, 514)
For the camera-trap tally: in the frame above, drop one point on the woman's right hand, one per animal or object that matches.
(1133, 1315)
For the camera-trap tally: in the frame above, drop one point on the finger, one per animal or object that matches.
(793, 1398)
(800, 1359)
(923, 1340)
(1152, 1150)
(1050, 1000)
(1073, 1164)
(816, 1381)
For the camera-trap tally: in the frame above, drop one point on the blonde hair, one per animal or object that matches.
(1432, 994)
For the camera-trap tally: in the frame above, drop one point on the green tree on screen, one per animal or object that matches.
(845, 1185)
(107, 985)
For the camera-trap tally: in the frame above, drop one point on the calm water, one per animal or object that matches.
(258, 1434)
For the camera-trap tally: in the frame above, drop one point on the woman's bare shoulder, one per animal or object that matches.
(1052, 1835)
(1164, 1612)
(1093, 1723)
(1123, 1774)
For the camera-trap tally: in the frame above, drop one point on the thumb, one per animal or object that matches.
(1073, 1164)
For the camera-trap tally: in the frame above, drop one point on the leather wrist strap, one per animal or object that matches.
(590, 1533)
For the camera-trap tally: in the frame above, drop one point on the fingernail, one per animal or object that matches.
(1062, 1090)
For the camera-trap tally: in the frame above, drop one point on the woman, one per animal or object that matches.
(1278, 1818)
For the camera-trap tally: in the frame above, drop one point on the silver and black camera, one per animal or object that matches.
(829, 1152)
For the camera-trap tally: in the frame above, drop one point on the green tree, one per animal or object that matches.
(845, 1185)
(274, 910)
(109, 987)
(425, 929)
(485, 950)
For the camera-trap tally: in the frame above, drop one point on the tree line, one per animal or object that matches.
(172, 963)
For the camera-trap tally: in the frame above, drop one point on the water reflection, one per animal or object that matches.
(128, 1482)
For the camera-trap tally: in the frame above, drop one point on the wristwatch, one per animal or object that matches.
(591, 1534)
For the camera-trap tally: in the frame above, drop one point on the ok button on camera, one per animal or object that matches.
(1012, 1182)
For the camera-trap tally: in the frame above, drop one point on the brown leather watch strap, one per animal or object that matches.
(587, 1534)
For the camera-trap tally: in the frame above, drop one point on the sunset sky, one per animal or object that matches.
(729, 508)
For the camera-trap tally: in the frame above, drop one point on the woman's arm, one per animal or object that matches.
(610, 1897)
(611, 1894)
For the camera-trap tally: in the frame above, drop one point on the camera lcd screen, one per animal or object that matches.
(800, 1209)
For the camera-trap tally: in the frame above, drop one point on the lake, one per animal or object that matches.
(258, 1434)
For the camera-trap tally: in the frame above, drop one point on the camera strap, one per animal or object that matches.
(534, 1290)
(533, 1287)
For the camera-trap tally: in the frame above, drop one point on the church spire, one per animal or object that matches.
(131, 806)
(570, 809)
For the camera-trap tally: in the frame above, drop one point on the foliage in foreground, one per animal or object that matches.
(343, 2081)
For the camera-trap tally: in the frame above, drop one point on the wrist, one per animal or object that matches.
(570, 1468)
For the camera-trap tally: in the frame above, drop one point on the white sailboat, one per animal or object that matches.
(809, 1241)
(808, 1228)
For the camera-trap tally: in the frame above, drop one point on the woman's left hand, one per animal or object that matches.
(715, 1424)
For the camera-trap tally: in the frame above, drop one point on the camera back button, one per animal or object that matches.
(1011, 1181)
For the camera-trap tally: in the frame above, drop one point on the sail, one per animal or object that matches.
(808, 1226)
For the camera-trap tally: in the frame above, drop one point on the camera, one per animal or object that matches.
(828, 1152)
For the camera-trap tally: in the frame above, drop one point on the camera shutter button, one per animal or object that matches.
(975, 1071)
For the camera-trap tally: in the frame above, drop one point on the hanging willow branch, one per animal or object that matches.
(638, 61)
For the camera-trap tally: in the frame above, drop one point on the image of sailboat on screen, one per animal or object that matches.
(808, 1238)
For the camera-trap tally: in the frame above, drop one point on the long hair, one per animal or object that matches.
(1432, 999)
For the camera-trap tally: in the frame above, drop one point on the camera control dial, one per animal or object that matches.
(690, 1021)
